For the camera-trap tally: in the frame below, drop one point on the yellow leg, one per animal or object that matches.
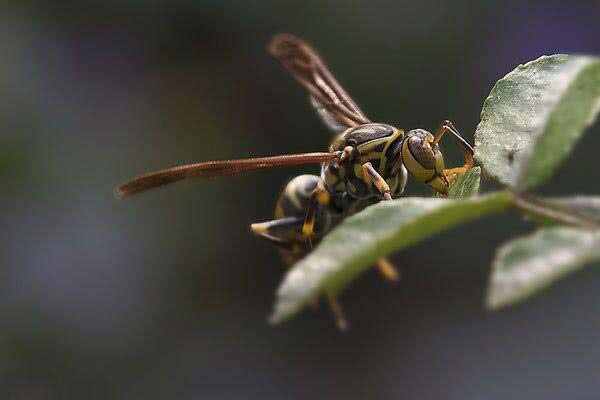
(441, 131)
(338, 313)
(453, 173)
(319, 197)
(384, 266)
(468, 153)
(387, 270)
(371, 176)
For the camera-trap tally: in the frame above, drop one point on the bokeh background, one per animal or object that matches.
(166, 295)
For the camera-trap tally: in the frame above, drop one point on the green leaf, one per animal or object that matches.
(581, 211)
(528, 264)
(466, 185)
(379, 230)
(583, 206)
(534, 116)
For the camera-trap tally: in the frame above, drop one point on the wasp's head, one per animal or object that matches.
(423, 159)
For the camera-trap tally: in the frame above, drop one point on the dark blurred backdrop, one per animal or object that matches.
(165, 295)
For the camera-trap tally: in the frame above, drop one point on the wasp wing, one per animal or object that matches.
(328, 119)
(333, 104)
(212, 169)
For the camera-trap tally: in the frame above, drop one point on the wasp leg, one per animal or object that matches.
(319, 197)
(338, 313)
(371, 176)
(384, 266)
(387, 270)
(467, 149)
(277, 230)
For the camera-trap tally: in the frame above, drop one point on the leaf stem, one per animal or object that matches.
(538, 207)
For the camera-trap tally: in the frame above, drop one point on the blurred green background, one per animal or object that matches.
(165, 295)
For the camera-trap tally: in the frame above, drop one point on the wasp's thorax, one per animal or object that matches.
(424, 160)
(377, 144)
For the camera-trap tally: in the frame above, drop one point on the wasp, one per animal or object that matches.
(366, 162)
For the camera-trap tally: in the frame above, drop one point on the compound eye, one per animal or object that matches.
(423, 161)
(422, 152)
